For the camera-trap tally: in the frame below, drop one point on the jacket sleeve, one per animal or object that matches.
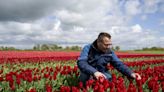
(82, 61)
(120, 66)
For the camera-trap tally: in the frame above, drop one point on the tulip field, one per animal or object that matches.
(46, 71)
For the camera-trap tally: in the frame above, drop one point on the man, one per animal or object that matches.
(96, 56)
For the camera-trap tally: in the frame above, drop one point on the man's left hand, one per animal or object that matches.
(136, 76)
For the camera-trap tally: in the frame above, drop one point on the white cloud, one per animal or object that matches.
(15, 28)
(162, 22)
(151, 6)
(68, 16)
(133, 7)
(161, 7)
(143, 17)
(127, 38)
(136, 28)
(57, 25)
(75, 22)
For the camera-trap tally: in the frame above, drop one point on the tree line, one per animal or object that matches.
(55, 47)
(43, 47)
(151, 49)
(50, 47)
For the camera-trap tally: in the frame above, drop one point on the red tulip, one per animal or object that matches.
(48, 88)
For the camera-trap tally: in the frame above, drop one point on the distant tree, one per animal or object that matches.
(117, 48)
(145, 48)
(113, 48)
(44, 47)
(34, 48)
(154, 48)
(60, 47)
(48, 47)
(67, 48)
(75, 48)
(1, 48)
(54, 47)
(37, 47)
(7, 48)
(11, 48)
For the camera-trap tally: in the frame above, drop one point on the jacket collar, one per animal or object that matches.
(95, 47)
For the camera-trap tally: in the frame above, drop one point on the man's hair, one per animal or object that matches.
(102, 35)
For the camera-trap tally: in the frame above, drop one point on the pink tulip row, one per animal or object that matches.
(37, 56)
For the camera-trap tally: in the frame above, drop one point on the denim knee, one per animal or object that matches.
(84, 77)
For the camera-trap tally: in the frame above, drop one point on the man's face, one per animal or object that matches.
(105, 44)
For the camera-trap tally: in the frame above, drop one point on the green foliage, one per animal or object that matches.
(151, 49)
(116, 48)
(7, 48)
(44, 47)
(71, 80)
(54, 47)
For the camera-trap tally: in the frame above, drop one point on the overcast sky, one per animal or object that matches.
(132, 23)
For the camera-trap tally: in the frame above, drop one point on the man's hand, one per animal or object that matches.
(136, 76)
(99, 74)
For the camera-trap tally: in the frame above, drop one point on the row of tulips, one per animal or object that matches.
(52, 77)
(152, 81)
(59, 58)
(37, 56)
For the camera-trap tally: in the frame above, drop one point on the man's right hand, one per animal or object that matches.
(99, 74)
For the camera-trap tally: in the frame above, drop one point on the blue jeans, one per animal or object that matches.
(85, 77)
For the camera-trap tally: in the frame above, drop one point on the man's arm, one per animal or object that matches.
(120, 66)
(82, 61)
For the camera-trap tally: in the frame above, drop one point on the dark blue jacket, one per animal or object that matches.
(92, 60)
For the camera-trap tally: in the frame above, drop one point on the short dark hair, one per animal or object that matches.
(102, 35)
